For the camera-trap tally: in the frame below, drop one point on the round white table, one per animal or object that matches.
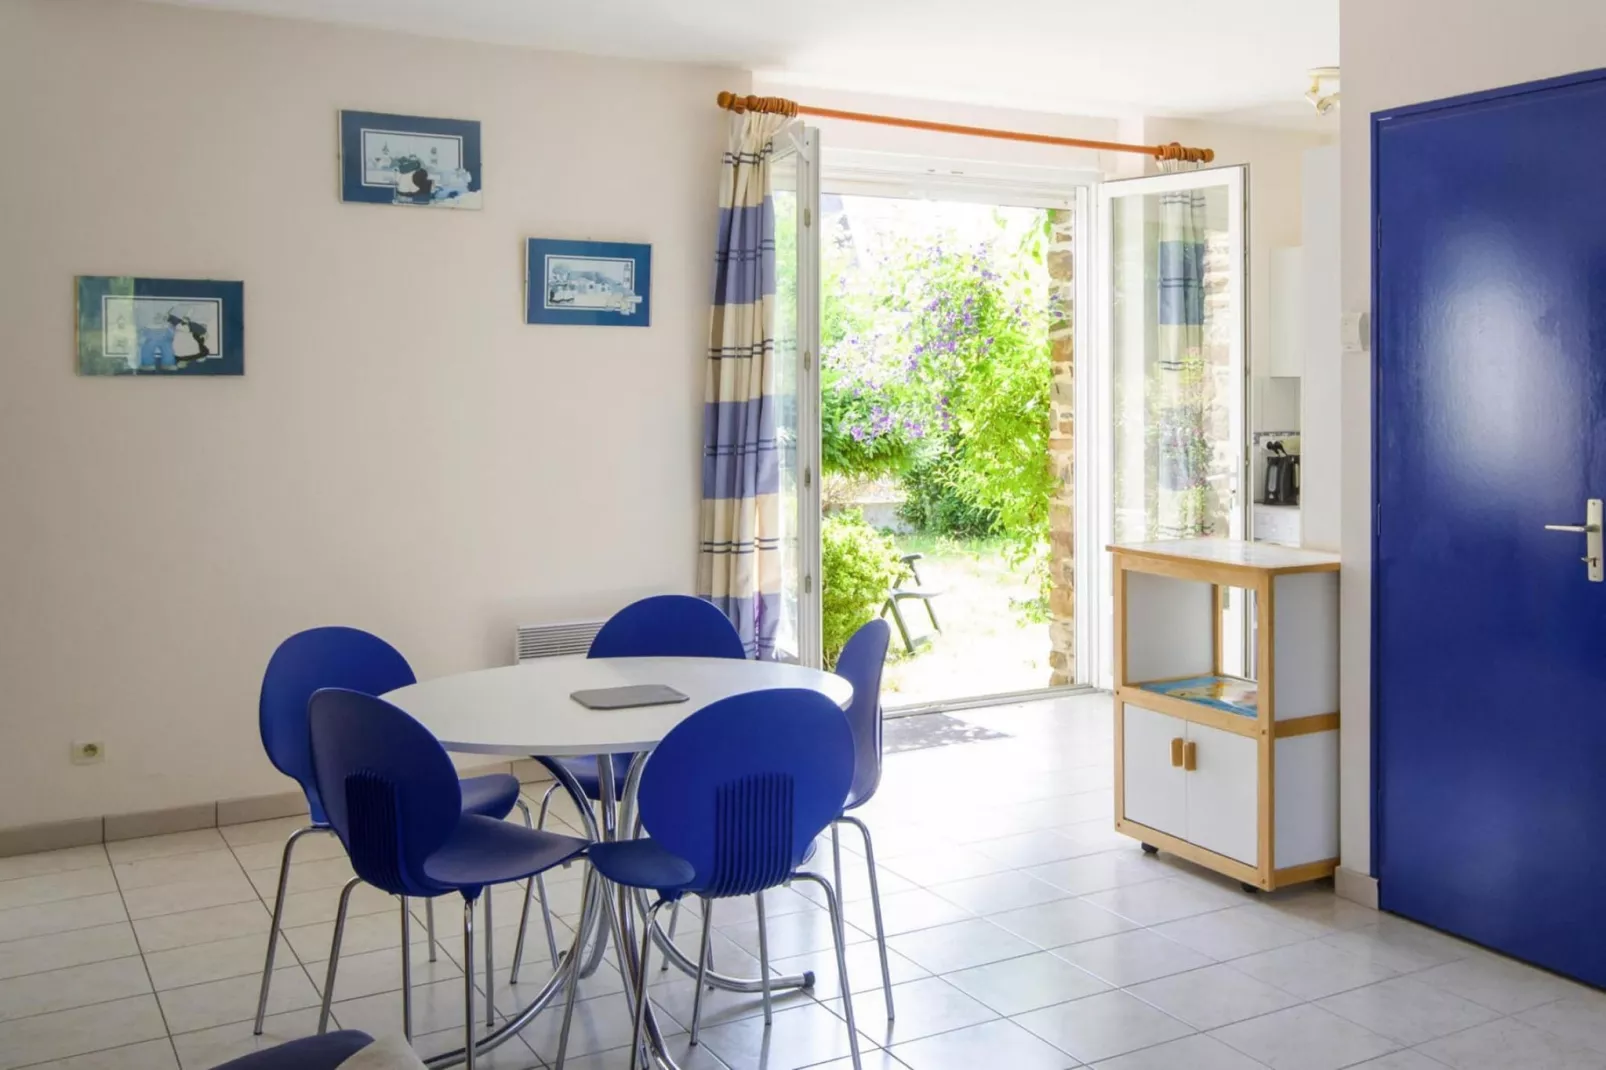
(525, 711)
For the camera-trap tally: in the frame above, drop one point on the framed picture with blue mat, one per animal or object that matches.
(588, 283)
(165, 327)
(409, 160)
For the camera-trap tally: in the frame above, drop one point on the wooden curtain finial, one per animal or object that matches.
(1179, 153)
(765, 105)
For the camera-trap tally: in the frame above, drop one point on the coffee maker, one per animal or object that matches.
(1282, 476)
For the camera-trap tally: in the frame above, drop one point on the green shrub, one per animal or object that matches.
(933, 505)
(859, 564)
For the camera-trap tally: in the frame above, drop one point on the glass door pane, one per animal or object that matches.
(795, 200)
(1174, 363)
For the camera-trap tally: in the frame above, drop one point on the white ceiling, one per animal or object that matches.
(1242, 59)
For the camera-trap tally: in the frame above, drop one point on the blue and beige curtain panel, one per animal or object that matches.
(1181, 395)
(739, 561)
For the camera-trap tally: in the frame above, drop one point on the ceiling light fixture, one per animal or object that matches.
(1323, 78)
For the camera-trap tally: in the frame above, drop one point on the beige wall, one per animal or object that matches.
(1393, 54)
(403, 454)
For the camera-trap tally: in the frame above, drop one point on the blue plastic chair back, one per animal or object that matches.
(741, 788)
(668, 626)
(305, 662)
(389, 789)
(861, 663)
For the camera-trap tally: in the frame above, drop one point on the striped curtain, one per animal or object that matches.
(1180, 395)
(739, 560)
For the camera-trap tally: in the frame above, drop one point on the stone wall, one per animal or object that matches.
(1062, 450)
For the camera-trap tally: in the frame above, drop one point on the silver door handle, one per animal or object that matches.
(1591, 530)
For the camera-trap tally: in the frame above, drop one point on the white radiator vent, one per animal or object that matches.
(554, 640)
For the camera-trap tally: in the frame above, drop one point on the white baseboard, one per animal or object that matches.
(1356, 886)
(56, 835)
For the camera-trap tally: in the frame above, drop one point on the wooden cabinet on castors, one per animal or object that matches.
(1226, 720)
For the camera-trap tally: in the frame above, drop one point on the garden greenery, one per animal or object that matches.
(935, 370)
(860, 565)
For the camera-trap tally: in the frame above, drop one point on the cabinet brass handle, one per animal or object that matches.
(1190, 757)
(1176, 752)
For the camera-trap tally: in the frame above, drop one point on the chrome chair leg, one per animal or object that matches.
(540, 888)
(278, 920)
(429, 925)
(407, 971)
(334, 953)
(875, 906)
(674, 919)
(841, 960)
(573, 961)
(836, 863)
(524, 911)
(490, 969)
(641, 990)
(702, 971)
(764, 958)
(468, 980)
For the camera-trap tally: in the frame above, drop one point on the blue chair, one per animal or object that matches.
(393, 797)
(358, 661)
(662, 626)
(861, 663)
(324, 1052)
(732, 800)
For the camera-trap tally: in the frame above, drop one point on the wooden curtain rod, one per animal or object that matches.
(782, 106)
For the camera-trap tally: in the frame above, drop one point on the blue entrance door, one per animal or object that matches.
(1489, 637)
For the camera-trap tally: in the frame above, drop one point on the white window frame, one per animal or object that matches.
(1095, 442)
(804, 140)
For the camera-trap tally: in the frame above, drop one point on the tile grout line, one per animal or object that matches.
(49, 873)
(71, 966)
(56, 899)
(161, 1010)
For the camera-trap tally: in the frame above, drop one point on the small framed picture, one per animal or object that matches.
(592, 283)
(409, 160)
(164, 327)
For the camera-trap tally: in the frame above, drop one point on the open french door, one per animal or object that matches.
(795, 194)
(1170, 423)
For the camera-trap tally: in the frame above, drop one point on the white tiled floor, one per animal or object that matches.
(1024, 935)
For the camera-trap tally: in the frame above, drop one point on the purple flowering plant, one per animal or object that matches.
(940, 350)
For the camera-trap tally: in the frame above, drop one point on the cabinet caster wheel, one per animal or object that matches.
(1150, 849)
(1250, 888)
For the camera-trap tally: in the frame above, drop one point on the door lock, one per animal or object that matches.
(1590, 529)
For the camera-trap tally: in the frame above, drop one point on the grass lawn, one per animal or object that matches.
(991, 640)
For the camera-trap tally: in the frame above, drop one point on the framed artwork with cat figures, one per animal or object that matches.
(410, 160)
(161, 327)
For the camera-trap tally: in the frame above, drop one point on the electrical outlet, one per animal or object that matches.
(88, 752)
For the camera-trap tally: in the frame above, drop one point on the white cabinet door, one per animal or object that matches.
(1155, 791)
(1222, 790)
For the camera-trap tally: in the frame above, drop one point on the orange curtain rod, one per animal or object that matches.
(782, 106)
